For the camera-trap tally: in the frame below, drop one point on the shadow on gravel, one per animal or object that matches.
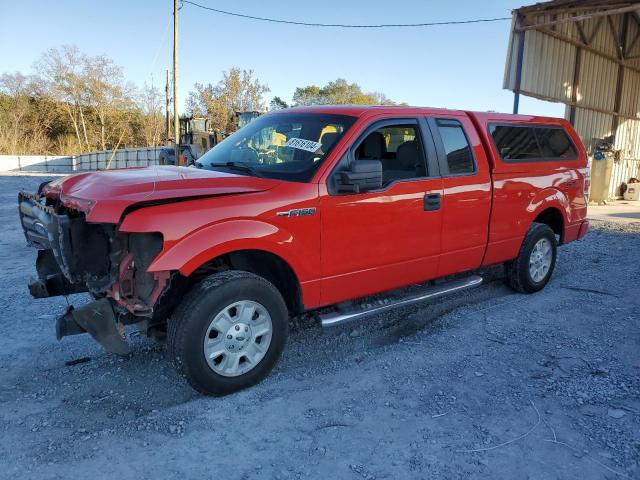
(103, 389)
(145, 380)
(426, 318)
(625, 215)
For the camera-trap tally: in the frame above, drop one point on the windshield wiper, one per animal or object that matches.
(241, 167)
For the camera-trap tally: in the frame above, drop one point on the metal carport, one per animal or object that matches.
(585, 54)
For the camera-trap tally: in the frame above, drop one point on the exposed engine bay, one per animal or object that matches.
(76, 256)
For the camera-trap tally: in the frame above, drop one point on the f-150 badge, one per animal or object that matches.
(298, 212)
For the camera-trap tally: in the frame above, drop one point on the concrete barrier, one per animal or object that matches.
(36, 163)
(125, 158)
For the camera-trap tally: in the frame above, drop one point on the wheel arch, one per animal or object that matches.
(552, 217)
(242, 244)
(550, 207)
(263, 263)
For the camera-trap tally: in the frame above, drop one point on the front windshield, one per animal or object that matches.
(287, 146)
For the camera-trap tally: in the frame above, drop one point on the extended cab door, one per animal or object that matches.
(390, 237)
(466, 204)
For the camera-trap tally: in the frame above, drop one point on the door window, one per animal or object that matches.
(456, 147)
(399, 148)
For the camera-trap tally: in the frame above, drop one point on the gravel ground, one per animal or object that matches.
(486, 384)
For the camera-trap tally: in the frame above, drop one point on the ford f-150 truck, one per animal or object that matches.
(305, 209)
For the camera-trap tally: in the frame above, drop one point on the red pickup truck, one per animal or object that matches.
(301, 209)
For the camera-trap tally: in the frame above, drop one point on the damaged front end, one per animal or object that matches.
(76, 256)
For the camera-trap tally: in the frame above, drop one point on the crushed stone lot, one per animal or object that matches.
(483, 384)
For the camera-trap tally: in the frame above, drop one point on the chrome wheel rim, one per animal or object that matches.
(238, 338)
(540, 260)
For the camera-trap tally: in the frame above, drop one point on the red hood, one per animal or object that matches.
(104, 195)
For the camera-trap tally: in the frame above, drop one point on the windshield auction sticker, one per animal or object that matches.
(302, 144)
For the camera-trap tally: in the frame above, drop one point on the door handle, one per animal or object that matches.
(431, 202)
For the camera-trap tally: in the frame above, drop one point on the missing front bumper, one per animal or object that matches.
(80, 254)
(98, 319)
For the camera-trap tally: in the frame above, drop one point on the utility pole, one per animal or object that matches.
(176, 119)
(167, 123)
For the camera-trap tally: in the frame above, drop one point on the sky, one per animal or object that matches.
(455, 66)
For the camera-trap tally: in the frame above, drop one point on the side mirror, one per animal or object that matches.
(362, 176)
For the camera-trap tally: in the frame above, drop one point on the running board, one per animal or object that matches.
(338, 318)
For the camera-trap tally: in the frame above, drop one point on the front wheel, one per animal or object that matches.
(228, 332)
(532, 269)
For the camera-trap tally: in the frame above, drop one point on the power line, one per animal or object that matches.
(160, 44)
(343, 25)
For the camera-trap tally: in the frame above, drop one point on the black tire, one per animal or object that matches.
(518, 276)
(190, 322)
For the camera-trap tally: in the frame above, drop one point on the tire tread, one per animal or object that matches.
(517, 268)
(177, 337)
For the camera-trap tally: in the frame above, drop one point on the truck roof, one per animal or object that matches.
(358, 110)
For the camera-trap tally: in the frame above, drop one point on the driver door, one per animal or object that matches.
(390, 237)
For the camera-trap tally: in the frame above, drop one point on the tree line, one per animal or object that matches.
(76, 103)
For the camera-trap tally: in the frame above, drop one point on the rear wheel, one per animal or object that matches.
(228, 332)
(533, 267)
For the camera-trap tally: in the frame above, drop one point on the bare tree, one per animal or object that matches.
(26, 115)
(62, 70)
(106, 91)
(93, 92)
(17, 89)
(77, 103)
(150, 101)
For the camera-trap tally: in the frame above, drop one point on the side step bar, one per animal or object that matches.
(338, 318)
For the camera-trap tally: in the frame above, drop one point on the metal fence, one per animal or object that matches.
(125, 158)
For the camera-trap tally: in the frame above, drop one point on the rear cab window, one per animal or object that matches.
(532, 143)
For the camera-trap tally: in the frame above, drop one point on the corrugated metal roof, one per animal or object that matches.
(630, 101)
(628, 131)
(603, 39)
(592, 125)
(547, 66)
(555, 46)
(597, 82)
(549, 57)
(556, 5)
